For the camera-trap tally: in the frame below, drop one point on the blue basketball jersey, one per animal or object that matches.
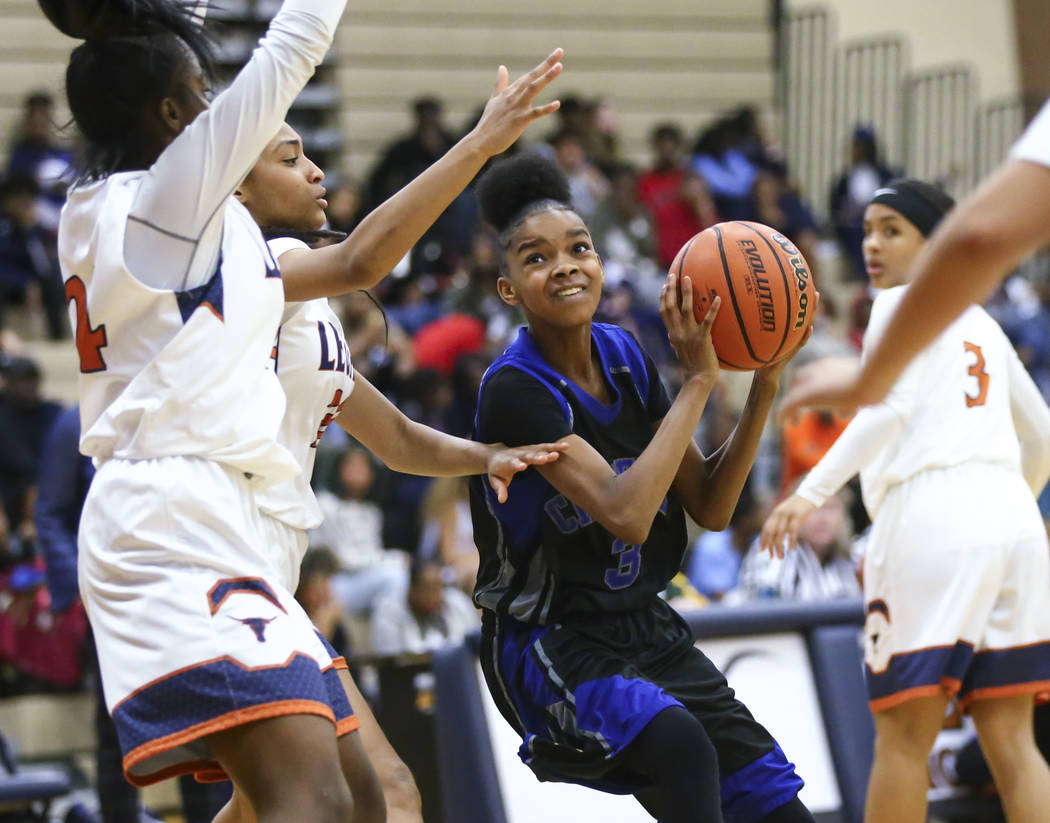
(543, 557)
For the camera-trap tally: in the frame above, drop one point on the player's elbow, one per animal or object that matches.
(361, 273)
(713, 518)
(631, 529)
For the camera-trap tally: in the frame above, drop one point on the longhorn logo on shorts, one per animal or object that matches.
(218, 593)
(257, 625)
(877, 629)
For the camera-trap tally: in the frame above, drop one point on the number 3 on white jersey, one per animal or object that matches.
(977, 370)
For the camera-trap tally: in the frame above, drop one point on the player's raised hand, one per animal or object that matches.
(510, 108)
(690, 340)
(784, 522)
(505, 462)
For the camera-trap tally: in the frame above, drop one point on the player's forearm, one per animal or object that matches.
(633, 498)
(389, 232)
(725, 472)
(404, 445)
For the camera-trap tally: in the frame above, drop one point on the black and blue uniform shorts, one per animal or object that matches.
(580, 691)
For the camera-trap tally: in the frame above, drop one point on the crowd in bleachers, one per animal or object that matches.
(400, 547)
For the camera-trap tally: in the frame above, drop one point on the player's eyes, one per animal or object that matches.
(291, 161)
(533, 259)
(581, 247)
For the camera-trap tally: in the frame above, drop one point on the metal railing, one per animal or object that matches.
(929, 123)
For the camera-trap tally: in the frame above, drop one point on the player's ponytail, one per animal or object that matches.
(133, 54)
(513, 189)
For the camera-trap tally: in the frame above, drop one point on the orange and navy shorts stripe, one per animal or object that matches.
(195, 701)
(960, 671)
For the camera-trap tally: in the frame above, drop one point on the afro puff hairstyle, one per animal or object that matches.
(513, 189)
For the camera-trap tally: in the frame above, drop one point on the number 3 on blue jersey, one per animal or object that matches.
(626, 572)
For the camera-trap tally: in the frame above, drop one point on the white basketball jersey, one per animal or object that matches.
(312, 361)
(170, 373)
(955, 399)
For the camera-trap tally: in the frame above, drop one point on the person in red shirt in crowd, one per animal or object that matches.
(675, 194)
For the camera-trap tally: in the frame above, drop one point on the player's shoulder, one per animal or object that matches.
(281, 245)
(887, 299)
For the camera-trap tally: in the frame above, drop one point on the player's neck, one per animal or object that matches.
(569, 352)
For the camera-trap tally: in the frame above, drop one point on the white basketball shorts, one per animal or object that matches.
(956, 584)
(196, 632)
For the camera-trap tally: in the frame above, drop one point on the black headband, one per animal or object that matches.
(921, 204)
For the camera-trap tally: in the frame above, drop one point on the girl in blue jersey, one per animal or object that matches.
(596, 672)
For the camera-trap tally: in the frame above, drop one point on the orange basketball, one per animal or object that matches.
(765, 286)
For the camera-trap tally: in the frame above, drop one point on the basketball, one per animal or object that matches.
(765, 286)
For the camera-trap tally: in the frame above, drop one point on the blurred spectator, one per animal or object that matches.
(776, 205)
(714, 563)
(352, 530)
(432, 614)
(622, 229)
(747, 136)
(587, 185)
(25, 420)
(819, 568)
(65, 476)
(314, 594)
(1032, 339)
(851, 192)
(29, 274)
(676, 196)
(405, 159)
(473, 291)
(623, 305)
(859, 312)
(413, 308)
(440, 343)
(805, 441)
(36, 154)
(344, 203)
(602, 138)
(465, 383)
(726, 169)
(448, 535)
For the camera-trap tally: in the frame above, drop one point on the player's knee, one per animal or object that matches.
(369, 803)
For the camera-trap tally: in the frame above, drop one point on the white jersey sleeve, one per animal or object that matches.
(175, 223)
(952, 405)
(1031, 418)
(1034, 144)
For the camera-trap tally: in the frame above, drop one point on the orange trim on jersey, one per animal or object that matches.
(219, 659)
(216, 775)
(340, 664)
(188, 767)
(1040, 688)
(230, 720)
(347, 725)
(214, 311)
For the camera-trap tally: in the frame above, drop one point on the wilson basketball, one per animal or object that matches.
(765, 286)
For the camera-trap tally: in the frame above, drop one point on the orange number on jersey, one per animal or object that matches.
(90, 342)
(333, 409)
(977, 370)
